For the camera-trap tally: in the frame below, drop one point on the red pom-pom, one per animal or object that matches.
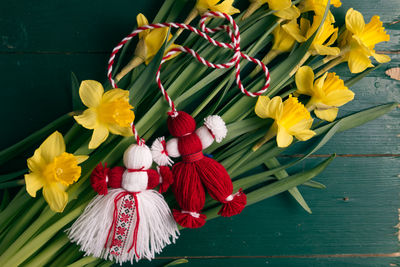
(189, 221)
(115, 177)
(153, 178)
(98, 179)
(167, 178)
(235, 206)
(181, 125)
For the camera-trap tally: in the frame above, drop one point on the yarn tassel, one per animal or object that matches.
(190, 195)
(156, 227)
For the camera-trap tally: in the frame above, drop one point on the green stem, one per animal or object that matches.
(10, 176)
(268, 136)
(84, 261)
(329, 66)
(14, 257)
(47, 254)
(301, 63)
(20, 224)
(69, 255)
(12, 184)
(19, 201)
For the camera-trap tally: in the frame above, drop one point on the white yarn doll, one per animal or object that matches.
(132, 222)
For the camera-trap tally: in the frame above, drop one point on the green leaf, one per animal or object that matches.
(314, 184)
(139, 88)
(76, 100)
(352, 81)
(176, 262)
(274, 163)
(10, 176)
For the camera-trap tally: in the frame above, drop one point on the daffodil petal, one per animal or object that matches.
(52, 147)
(305, 135)
(289, 13)
(99, 135)
(327, 114)
(381, 58)
(269, 108)
(141, 21)
(87, 119)
(355, 21)
(81, 158)
(304, 80)
(55, 197)
(36, 163)
(293, 29)
(283, 138)
(91, 92)
(338, 98)
(325, 50)
(154, 40)
(119, 130)
(115, 94)
(33, 183)
(301, 126)
(279, 4)
(358, 61)
(261, 107)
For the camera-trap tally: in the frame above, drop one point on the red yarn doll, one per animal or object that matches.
(196, 172)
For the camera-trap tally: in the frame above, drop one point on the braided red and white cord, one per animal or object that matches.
(234, 45)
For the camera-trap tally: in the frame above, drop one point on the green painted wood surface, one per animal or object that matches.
(353, 219)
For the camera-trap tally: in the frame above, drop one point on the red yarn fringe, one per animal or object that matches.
(187, 220)
(235, 206)
(167, 178)
(98, 179)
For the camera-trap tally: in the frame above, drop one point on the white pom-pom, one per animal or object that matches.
(159, 152)
(217, 126)
(172, 148)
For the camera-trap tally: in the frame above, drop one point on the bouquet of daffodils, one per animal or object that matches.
(298, 41)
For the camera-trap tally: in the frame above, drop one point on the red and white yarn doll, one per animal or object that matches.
(197, 172)
(130, 220)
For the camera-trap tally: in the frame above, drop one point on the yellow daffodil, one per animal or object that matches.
(150, 41)
(225, 6)
(291, 118)
(325, 37)
(283, 8)
(318, 6)
(283, 42)
(327, 93)
(52, 169)
(107, 112)
(359, 40)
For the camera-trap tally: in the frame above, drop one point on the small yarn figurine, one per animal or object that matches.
(196, 171)
(130, 220)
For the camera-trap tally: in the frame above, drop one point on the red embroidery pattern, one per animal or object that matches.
(125, 215)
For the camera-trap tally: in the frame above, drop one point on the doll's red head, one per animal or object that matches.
(181, 125)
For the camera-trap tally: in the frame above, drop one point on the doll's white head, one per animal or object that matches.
(136, 157)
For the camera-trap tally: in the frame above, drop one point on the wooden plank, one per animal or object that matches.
(73, 26)
(287, 262)
(35, 89)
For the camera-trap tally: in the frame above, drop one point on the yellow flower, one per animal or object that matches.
(327, 93)
(150, 42)
(226, 6)
(52, 169)
(318, 6)
(283, 8)
(291, 118)
(325, 37)
(107, 112)
(283, 41)
(359, 40)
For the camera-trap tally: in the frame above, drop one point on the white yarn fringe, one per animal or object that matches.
(158, 153)
(156, 227)
(217, 126)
